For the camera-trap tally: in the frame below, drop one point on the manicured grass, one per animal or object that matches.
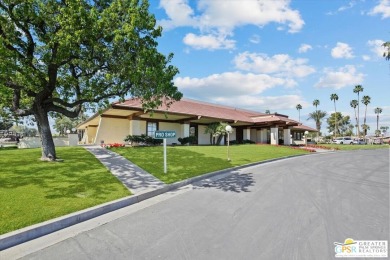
(32, 191)
(188, 161)
(356, 146)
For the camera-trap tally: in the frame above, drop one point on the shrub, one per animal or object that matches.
(247, 141)
(187, 140)
(183, 141)
(192, 139)
(142, 140)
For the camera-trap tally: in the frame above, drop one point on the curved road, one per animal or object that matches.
(291, 209)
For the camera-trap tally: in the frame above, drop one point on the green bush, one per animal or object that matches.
(187, 140)
(142, 140)
(183, 141)
(246, 141)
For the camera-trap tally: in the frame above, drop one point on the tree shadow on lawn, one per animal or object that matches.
(238, 182)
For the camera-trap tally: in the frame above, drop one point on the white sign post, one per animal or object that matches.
(165, 155)
(164, 135)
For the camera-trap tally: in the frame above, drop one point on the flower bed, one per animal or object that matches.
(108, 146)
(309, 149)
(322, 147)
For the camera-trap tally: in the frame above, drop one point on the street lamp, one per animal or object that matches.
(306, 133)
(228, 129)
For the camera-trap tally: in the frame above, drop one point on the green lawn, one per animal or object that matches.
(188, 161)
(356, 147)
(32, 191)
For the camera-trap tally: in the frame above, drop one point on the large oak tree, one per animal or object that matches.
(56, 55)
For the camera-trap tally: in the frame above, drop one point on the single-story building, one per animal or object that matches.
(189, 118)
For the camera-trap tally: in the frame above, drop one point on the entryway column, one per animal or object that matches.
(247, 134)
(185, 130)
(287, 136)
(263, 136)
(274, 135)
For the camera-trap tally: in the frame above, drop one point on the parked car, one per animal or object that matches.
(359, 141)
(378, 141)
(343, 140)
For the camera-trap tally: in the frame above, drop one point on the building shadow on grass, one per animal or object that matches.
(238, 182)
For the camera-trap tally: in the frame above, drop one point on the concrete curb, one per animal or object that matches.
(41, 229)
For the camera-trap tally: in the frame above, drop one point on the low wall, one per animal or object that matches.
(35, 142)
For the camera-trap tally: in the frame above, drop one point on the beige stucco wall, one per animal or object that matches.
(173, 127)
(90, 134)
(137, 127)
(112, 130)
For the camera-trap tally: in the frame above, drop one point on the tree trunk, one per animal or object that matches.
(377, 122)
(219, 139)
(365, 116)
(335, 121)
(48, 148)
(358, 117)
(318, 126)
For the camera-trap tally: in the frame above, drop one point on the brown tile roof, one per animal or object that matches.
(212, 111)
(199, 108)
(305, 128)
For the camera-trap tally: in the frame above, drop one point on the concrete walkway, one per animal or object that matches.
(134, 178)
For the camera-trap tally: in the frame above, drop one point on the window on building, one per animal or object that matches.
(151, 128)
(192, 131)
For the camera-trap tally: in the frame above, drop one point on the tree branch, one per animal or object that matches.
(64, 111)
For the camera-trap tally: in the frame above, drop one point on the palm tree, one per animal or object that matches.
(365, 127)
(366, 100)
(316, 103)
(358, 89)
(384, 129)
(299, 107)
(212, 129)
(334, 97)
(386, 54)
(378, 110)
(354, 103)
(317, 116)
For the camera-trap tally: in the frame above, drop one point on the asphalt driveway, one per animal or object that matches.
(291, 209)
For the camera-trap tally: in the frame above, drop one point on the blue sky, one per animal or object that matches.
(263, 54)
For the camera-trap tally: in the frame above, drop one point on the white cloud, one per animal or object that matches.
(229, 84)
(366, 57)
(304, 48)
(376, 47)
(340, 78)
(342, 50)
(224, 16)
(255, 39)
(261, 103)
(383, 8)
(281, 64)
(350, 5)
(211, 42)
(179, 13)
(230, 14)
